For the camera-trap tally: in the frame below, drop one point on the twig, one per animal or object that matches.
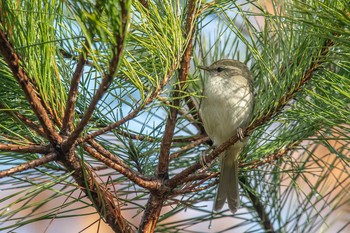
(31, 124)
(148, 138)
(258, 206)
(207, 6)
(106, 80)
(66, 54)
(113, 162)
(188, 147)
(190, 139)
(10, 56)
(194, 190)
(132, 114)
(270, 158)
(26, 148)
(73, 92)
(139, 137)
(163, 164)
(32, 164)
(203, 179)
(144, 3)
(156, 198)
(100, 168)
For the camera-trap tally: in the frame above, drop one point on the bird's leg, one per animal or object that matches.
(240, 134)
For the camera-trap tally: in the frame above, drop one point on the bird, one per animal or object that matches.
(226, 108)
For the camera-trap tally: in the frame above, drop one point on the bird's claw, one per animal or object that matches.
(202, 160)
(240, 134)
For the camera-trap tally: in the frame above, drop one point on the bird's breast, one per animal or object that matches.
(226, 106)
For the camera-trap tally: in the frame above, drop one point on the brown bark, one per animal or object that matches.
(152, 212)
(32, 164)
(67, 122)
(163, 164)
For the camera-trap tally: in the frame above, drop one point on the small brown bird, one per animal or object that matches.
(227, 106)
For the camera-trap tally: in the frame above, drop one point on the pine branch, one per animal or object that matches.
(258, 206)
(13, 61)
(114, 162)
(106, 80)
(189, 146)
(155, 56)
(67, 123)
(31, 164)
(132, 114)
(293, 90)
(156, 199)
(152, 212)
(163, 164)
(26, 148)
(272, 157)
(31, 124)
(82, 173)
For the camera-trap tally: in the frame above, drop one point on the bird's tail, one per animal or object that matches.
(228, 183)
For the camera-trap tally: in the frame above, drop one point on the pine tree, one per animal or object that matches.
(99, 111)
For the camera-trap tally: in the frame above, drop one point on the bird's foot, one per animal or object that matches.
(202, 160)
(240, 134)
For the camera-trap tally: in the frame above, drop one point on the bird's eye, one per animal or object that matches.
(219, 69)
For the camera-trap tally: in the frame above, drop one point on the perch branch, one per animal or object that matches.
(188, 147)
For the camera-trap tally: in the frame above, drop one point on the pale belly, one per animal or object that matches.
(226, 107)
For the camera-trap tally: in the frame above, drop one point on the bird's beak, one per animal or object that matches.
(203, 68)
